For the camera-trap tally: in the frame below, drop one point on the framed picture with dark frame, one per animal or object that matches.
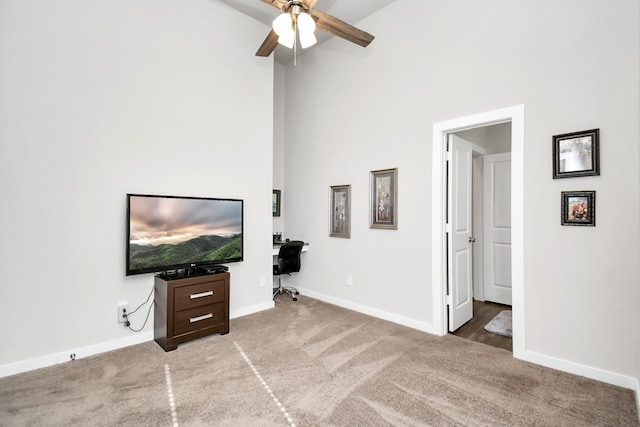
(275, 202)
(576, 154)
(340, 211)
(579, 208)
(383, 212)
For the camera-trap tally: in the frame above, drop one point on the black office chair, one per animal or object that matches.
(288, 262)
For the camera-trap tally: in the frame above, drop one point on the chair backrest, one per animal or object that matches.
(289, 257)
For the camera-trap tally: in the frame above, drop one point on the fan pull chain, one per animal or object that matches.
(295, 42)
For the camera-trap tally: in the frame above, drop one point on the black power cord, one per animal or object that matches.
(126, 315)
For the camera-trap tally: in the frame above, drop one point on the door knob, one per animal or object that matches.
(472, 239)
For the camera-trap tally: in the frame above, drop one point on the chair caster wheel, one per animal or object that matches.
(295, 299)
(297, 293)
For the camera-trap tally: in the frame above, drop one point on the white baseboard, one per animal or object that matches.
(404, 321)
(613, 378)
(65, 356)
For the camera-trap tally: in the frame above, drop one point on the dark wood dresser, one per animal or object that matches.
(190, 307)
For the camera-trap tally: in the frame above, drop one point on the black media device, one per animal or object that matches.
(183, 235)
(213, 269)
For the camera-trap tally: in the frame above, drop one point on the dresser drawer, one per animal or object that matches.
(197, 295)
(198, 318)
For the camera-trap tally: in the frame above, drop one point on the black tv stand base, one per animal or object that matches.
(194, 271)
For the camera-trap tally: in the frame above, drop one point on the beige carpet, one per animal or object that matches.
(308, 363)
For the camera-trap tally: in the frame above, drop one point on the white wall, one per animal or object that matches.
(100, 98)
(573, 64)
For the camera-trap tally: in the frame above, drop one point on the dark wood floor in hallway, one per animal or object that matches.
(483, 312)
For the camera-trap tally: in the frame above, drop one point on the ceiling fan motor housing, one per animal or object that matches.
(295, 7)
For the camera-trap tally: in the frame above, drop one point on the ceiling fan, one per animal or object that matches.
(300, 18)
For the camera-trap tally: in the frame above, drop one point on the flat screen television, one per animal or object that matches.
(171, 233)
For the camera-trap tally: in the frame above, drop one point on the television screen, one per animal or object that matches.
(172, 233)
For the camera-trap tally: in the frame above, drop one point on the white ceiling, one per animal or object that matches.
(350, 11)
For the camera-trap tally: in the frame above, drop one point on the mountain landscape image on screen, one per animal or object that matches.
(199, 249)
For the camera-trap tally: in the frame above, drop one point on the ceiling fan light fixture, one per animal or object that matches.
(287, 39)
(283, 27)
(307, 39)
(306, 23)
(306, 28)
(283, 24)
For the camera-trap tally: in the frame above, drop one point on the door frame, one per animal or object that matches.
(515, 115)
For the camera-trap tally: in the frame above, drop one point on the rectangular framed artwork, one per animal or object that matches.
(383, 211)
(576, 154)
(340, 211)
(275, 202)
(579, 208)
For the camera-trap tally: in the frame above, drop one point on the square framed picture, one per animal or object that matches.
(275, 202)
(383, 212)
(340, 211)
(576, 154)
(579, 208)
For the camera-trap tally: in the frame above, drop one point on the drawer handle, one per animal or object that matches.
(199, 318)
(203, 294)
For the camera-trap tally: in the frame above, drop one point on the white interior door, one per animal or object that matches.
(459, 220)
(497, 228)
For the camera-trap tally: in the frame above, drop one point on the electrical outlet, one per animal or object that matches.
(123, 307)
(349, 280)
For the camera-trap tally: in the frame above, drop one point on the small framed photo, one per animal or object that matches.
(275, 202)
(579, 208)
(383, 211)
(340, 211)
(576, 154)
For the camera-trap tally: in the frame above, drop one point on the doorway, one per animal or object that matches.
(515, 115)
(478, 232)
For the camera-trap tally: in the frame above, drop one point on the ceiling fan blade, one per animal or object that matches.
(276, 3)
(311, 3)
(268, 45)
(339, 28)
